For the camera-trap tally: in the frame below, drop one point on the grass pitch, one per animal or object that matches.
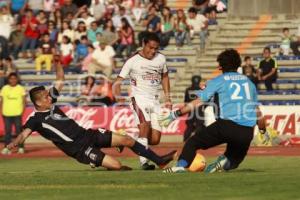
(51, 179)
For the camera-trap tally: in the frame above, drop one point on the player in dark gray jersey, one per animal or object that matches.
(82, 144)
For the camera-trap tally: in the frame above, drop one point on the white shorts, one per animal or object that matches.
(146, 110)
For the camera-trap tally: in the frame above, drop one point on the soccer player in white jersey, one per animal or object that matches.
(147, 70)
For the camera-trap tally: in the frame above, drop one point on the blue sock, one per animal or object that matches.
(181, 163)
(141, 150)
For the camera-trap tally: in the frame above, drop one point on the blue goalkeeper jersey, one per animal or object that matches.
(237, 98)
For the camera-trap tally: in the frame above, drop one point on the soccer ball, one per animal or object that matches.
(198, 163)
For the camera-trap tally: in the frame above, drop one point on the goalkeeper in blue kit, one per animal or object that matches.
(236, 117)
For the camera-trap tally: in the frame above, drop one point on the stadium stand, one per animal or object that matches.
(252, 37)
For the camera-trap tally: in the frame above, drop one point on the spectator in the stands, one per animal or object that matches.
(81, 49)
(84, 16)
(197, 24)
(295, 46)
(66, 31)
(13, 103)
(49, 6)
(158, 4)
(53, 31)
(15, 41)
(286, 39)
(89, 86)
(200, 5)
(80, 31)
(58, 18)
(152, 22)
(195, 120)
(117, 18)
(267, 69)
(35, 6)
(138, 10)
(69, 7)
(6, 67)
(103, 59)
(66, 51)
(181, 28)
(31, 33)
(46, 51)
(97, 9)
(110, 33)
(4, 53)
(249, 70)
(18, 6)
(93, 31)
(126, 39)
(6, 22)
(167, 26)
(42, 22)
(9, 66)
(211, 12)
(88, 59)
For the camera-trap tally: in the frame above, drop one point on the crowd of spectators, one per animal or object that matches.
(36, 29)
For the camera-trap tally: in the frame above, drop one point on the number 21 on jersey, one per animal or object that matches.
(237, 93)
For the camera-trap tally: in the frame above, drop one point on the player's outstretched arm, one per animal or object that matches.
(261, 123)
(60, 75)
(20, 139)
(166, 119)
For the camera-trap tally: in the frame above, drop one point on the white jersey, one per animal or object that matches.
(145, 75)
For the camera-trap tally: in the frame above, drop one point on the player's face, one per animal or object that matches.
(150, 49)
(45, 100)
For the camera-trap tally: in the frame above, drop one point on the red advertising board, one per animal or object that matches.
(285, 119)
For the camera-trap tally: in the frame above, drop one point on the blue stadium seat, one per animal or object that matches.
(177, 60)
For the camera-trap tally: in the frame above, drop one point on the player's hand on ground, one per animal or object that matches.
(11, 146)
(165, 118)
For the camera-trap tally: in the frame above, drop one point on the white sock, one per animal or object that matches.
(143, 141)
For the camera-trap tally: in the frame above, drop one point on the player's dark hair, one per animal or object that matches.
(151, 37)
(34, 93)
(229, 60)
(247, 58)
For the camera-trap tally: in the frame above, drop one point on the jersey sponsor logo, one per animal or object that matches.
(151, 77)
(57, 132)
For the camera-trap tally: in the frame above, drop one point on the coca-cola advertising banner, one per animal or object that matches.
(285, 119)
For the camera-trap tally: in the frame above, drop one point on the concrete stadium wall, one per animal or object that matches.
(254, 8)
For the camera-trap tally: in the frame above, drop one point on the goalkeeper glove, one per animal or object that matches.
(264, 136)
(166, 118)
